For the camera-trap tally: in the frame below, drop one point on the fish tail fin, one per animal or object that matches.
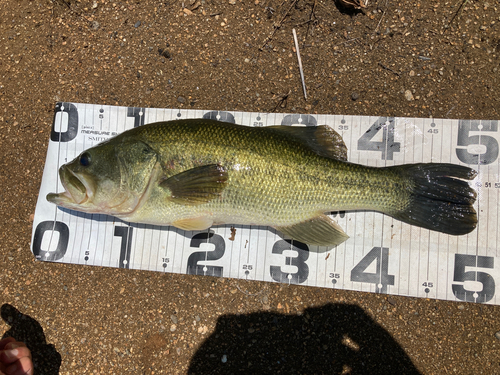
(441, 199)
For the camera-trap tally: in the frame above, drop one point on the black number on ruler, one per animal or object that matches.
(387, 146)
(126, 243)
(488, 290)
(491, 144)
(165, 262)
(62, 244)
(72, 130)
(258, 121)
(299, 261)
(193, 268)
(307, 120)
(381, 277)
(427, 285)
(220, 116)
(340, 213)
(139, 115)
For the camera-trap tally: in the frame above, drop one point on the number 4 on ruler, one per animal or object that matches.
(380, 277)
(387, 146)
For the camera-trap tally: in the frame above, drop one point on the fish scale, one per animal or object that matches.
(299, 183)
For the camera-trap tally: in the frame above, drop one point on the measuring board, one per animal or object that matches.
(382, 255)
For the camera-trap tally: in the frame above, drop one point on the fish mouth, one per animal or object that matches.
(78, 189)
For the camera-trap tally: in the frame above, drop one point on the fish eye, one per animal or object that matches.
(85, 159)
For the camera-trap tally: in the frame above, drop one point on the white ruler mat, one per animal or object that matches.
(382, 255)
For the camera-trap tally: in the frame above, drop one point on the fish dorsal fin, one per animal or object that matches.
(320, 231)
(321, 139)
(197, 185)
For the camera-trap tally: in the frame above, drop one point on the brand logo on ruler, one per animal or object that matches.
(382, 256)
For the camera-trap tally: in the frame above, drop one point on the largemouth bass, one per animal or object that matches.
(196, 173)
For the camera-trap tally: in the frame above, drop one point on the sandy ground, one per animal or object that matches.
(412, 58)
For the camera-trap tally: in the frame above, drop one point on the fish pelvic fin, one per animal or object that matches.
(196, 223)
(197, 185)
(320, 231)
(441, 199)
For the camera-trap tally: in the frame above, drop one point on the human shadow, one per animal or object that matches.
(46, 359)
(332, 339)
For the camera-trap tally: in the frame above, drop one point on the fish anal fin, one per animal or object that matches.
(320, 231)
(196, 223)
(321, 139)
(197, 185)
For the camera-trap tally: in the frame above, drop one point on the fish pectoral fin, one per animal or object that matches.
(196, 223)
(320, 231)
(322, 139)
(197, 185)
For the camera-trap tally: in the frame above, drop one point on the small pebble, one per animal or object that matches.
(164, 53)
(181, 99)
(354, 96)
(137, 24)
(224, 358)
(174, 319)
(408, 95)
(497, 335)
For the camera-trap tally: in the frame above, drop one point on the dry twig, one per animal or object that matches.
(278, 25)
(301, 71)
(389, 69)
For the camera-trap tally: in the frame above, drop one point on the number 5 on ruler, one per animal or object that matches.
(486, 154)
(488, 283)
